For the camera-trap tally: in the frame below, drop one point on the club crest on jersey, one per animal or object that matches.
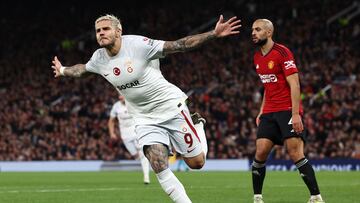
(128, 65)
(130, 70)
(271, 64)
(116, 71)
(184, 129)
(257, 66)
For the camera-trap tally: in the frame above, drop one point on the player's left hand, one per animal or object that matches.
(297, 123)
(229, 27)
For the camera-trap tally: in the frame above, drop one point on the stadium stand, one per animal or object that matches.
(66, 119)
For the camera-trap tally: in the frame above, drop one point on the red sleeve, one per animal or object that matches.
(288, 62)
(254, 58)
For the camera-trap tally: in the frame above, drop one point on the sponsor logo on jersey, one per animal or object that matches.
(271, 64)
(116, 71)
(289, 64)
(268, 78)
(128, 85)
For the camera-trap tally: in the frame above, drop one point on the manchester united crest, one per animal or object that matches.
(271, 64)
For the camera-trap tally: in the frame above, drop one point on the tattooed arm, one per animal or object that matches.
(187, 43)
(222, 29)
(72, 71)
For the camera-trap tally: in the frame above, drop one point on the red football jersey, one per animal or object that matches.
(273, 68)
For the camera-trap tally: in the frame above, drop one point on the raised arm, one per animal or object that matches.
(222, 29)
(72, 71)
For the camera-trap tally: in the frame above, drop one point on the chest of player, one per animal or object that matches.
(269, 69)
(264, 65)
(123, 71)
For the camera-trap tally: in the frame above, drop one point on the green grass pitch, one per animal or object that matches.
(202, 187)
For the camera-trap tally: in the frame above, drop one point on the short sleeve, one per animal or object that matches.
(150, 48)
(113, 113)
(288, 62)
(93, 65)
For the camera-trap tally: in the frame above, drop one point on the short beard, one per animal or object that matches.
(108, 46)
(261, 42)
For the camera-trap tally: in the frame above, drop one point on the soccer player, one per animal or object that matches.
(131, 64)
(126, 123)
(279, 121)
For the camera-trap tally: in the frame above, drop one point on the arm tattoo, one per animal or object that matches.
(158, 157)
(75, 70)
(188, 43)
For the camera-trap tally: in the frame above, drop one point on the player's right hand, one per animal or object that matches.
(56, 67)
(258, 120)
(113, 136)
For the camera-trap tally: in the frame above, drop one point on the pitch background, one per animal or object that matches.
(202, 187)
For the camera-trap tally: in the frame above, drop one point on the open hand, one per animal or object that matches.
(229, 27)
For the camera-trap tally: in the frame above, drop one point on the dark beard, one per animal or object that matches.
(261, 42)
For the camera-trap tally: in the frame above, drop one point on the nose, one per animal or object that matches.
(101, 32)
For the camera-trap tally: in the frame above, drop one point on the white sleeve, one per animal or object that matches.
(94, 63)
(113, 113)
(150, 48)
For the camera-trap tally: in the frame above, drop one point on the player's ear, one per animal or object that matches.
(118, 33)
(268, 33)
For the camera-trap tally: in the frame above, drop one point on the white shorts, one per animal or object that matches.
(178, 132)
(132, 146)
(128, 136)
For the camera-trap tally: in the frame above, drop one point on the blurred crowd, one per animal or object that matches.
(43, 118)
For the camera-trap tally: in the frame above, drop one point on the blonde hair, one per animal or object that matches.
(267, 24)
(114, 20)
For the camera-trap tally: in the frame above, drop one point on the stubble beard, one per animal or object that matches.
(261, 42)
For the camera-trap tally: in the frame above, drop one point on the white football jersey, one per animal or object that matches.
(126, 122)
(136, 74)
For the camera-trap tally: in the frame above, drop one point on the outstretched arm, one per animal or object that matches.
(72, 71)
(222, 29)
